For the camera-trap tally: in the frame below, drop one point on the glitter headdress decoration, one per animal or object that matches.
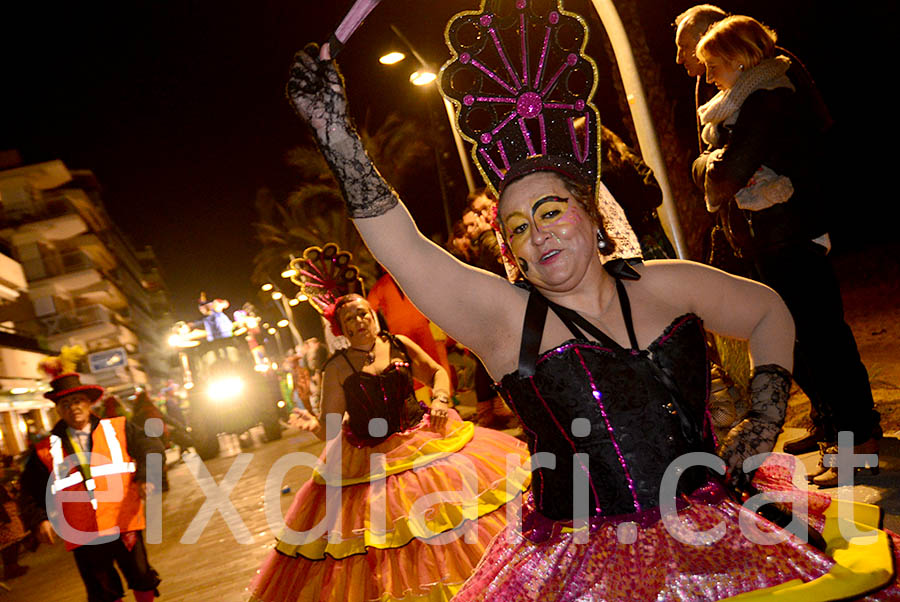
(324, 275)
(523, 90)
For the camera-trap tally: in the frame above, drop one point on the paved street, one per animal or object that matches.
(883, 489)
(219, 568)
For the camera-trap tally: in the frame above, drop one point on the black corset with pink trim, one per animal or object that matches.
(620, 416)
(388, 396)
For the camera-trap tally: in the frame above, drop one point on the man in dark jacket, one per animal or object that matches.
(87, 482)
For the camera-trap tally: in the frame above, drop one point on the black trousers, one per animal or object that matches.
(95, 563)
(827, 365)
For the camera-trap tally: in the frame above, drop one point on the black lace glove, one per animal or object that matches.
(770, 388)
(316, 90)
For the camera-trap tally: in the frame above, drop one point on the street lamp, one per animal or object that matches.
(284, 306)
(392, 58)
(423, 77)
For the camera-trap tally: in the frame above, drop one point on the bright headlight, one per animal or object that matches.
(225, 388)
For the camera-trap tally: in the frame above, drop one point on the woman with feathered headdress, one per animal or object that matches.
(421, 492)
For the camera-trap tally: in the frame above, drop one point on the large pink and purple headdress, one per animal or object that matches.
(324, 275)
(523, 90)
(522, 87)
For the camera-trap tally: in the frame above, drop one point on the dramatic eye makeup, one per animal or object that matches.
(549, 208)
(544, 212)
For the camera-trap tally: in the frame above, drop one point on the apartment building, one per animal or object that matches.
(86, 283)
(23, 409)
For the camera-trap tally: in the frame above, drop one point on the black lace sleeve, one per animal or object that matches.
(770, 388)
(316, 90)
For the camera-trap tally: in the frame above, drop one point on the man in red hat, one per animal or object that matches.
(86, 482)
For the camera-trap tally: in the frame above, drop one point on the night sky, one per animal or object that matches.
(178, 106)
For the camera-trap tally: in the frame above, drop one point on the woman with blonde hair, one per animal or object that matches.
(740, 39)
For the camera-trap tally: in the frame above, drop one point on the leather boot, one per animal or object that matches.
(805, 443)
(820, 468)
(829, 477)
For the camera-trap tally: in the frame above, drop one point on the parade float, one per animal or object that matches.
(229, 383)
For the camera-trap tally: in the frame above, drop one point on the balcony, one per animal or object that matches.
(12, 279)
(84, 323)
(57, 264)
(72, 274)
(48, 219)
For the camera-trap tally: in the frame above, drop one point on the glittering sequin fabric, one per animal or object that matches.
(595, 399)
(609, 406)
(656, 566)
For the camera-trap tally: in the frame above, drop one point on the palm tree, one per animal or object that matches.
(314, 214)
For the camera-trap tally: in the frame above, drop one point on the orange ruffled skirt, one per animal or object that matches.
(407, 519)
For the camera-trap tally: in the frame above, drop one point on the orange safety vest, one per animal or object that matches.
(100, 502)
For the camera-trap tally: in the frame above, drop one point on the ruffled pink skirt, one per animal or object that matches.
(657, 566)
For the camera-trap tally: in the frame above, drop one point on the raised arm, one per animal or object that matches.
(474, 307)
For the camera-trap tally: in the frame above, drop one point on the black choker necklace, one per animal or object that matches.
(370, 353)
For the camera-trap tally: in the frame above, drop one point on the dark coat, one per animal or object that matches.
(803, 83)
(773, 129)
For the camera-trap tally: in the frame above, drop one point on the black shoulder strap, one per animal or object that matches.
(575, 322)
(536, 316)
(397, 344)
(532, 332)
(625, 304)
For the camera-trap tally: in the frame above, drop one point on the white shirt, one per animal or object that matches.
(82, 436)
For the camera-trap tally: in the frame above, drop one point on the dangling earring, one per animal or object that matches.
(523, 265)
(740, 67)
(602, 243)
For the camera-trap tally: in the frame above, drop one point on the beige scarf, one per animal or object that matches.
(724, 106)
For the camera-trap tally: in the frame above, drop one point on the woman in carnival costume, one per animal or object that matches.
(421, 492)
(602, 356)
